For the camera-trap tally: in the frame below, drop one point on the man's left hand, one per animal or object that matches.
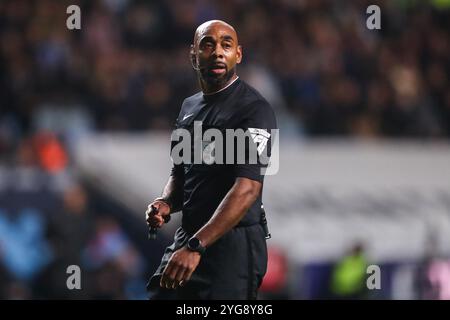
(180, 268)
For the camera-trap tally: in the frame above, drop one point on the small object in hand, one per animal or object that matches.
(153, 231)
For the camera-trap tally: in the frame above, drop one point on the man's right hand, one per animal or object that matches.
(157, 220)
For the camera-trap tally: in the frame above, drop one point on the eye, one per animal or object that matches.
(207, 45)
(227, 45)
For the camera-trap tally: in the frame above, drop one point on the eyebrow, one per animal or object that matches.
(210, 38)
(227, 37)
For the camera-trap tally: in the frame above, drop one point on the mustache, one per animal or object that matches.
(213, 65)
(217, 80)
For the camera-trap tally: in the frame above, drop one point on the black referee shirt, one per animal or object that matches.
(238, 106)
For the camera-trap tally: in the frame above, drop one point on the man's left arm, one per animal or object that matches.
(245, 190)
(230, 211)
(228, 214)
(259, 119)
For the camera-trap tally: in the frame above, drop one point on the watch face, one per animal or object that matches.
(194, 243)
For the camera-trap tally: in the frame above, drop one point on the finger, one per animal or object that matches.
(167, 284)
(163, 283)
(169, 274)
(181, 274)
(151, 210)
(164, 279)
(157, 216)
(188, 275)
(162, 207)
(155, 219)
(155, 223)
(172, 277)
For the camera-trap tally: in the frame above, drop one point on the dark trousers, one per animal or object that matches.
(231, 269)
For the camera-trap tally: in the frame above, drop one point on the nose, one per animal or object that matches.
(218, 50)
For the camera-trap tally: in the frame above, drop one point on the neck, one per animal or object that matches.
(209, 88)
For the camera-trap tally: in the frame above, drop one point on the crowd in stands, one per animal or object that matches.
(128, 69)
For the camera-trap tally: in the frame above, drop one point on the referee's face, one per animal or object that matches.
(216, 52)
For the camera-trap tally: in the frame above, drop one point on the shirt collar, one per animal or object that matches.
(228, 85)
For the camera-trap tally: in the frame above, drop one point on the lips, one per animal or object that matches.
(218, 68)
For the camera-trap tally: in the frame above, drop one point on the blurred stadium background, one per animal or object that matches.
(85, 118)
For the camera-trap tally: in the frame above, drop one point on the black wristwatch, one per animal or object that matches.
(194, 244)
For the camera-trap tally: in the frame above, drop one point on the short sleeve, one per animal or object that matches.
(259, 122)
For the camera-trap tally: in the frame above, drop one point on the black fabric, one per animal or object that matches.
(233, 266)
(231, 269)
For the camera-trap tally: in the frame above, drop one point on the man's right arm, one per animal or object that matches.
(173, 191)
(170, 201)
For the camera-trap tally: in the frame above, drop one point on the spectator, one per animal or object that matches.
(348, 280)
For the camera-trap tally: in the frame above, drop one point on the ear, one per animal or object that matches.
(193, 56)
(239, 54)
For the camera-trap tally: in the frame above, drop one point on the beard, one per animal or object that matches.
(217, 80)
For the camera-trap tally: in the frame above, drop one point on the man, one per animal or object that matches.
(220, 250)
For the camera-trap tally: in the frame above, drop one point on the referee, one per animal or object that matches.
(219, 252)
